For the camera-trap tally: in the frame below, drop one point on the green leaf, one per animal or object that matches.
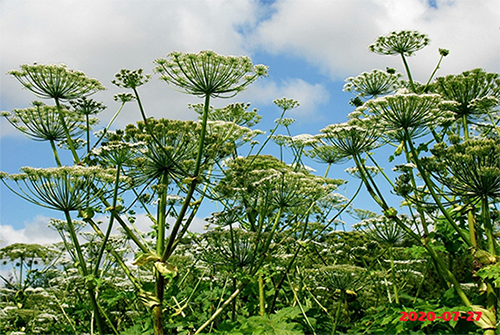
(87, 213)
(145, 258)
(148, 299)
(166, 269)
(399, 149)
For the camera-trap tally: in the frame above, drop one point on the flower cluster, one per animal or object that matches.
(87, 106)
(374, 83)
(56, 81)
(117, 153)
(340, 277)
(383, 230)
(349, 139)
(42, 122)
(271, 183)
(407, 112)
(469, 169)
(238, 113)
(64, 188)
(475, 92)
(227, 134)
(403, 43)
(171, 151)
(286, 104)
(208, 73)
(130, 78)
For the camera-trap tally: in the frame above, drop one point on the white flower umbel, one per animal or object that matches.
(349, 139)
(42, 123)
(56, 81)
(63, 188)
(401, 42)
(208, 73)
(374, 83)
(416, 114)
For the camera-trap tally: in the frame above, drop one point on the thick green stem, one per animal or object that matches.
(56, 155)
(337, 312)
(160, 248)
(407, 68)
(465, 125)
(88, 133)
(201, 144)
(195, 181)
(162, 215)
(262, 297)
(71, 144)
(430, 187)
(471, 219)
(157, 316)
(393, 276)
(111, 220)
(82, 265)
(488, 227)
(233, 305)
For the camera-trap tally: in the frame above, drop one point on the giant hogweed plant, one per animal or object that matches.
(153, 159)
(455, 184)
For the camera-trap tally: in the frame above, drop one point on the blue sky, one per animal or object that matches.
(310, 46)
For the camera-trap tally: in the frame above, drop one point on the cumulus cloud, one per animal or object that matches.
(312, 96)
(102, 37)
(35, 231)
(334, 35)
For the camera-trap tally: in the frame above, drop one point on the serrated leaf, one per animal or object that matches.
(485, 257)
(487, 320)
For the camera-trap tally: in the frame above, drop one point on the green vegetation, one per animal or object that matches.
(272, 260)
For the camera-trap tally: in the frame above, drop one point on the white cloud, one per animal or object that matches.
(310, 95)
(35, 231)
(101, 37)
(334, 35)
(38, 232)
